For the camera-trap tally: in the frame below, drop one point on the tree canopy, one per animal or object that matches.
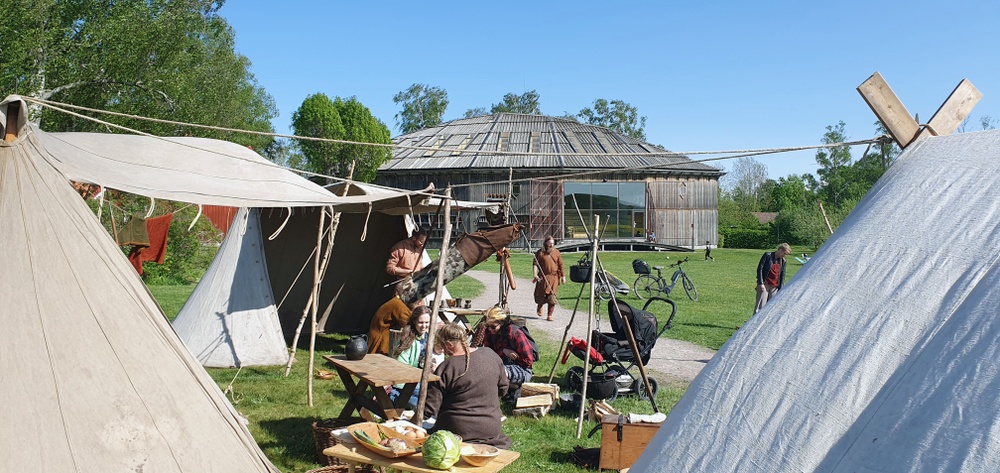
(616, 115)
(158, 58)
(526, 103)
(339, 119)
(423, 107)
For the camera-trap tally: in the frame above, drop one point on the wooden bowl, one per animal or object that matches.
(477, 454)
(372, 430)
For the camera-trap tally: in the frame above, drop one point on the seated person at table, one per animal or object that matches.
(466, 401)
(511, 343)
(392, 315)
(412, 348)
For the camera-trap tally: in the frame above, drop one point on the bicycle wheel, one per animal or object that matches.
(574, 378)
(603, 290)
(646, 286)
(689, 288)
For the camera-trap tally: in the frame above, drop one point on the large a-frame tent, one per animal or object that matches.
(94, 377)
(256, 290)
(881, 354)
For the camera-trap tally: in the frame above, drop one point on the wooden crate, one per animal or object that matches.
(619, 454)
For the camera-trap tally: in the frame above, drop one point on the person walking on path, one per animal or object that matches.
(405, 256)
(548, 273)
(770, 275)
(708, 252)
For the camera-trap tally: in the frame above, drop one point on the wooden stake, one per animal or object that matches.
(823, 211)
(590, 327)
(418, 416)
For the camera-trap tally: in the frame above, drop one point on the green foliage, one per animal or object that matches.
(745, 184)
(361, 126)
(526, 103)
(189, 253)
(833, 175)
(423, 107)
(476, 112)
(317, 117)
(165, 59)
(747, 238)
(732, 216)
(616, 115)
(320, 117)
(722, 241)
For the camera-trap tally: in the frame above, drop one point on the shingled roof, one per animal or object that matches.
(511, 132)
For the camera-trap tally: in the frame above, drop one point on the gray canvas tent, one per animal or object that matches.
(94, 378)
(881, 354)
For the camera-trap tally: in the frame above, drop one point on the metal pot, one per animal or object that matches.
(356, 347)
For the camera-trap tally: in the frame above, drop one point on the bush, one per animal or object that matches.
(722, 240)
(745, 238)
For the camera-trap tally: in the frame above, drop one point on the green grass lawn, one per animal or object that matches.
(280, 419)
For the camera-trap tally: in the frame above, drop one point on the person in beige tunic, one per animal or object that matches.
(405, 256)
(548, 273)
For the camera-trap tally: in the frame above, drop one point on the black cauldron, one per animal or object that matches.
(356, 347)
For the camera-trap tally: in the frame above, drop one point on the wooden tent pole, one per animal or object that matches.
(315, 302)
(590, 327)
(418, 416)
(13, 113)
(569, 324)
(325, 263)
(823, 211)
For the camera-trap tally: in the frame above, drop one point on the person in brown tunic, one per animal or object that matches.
(548, 273)
(466, 401)
(394, 314)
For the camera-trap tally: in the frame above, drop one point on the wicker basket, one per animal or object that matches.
(345, 469)
(324, 438)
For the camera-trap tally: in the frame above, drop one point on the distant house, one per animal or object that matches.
(622, 179)
(766, 217)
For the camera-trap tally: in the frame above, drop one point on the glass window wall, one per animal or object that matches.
(621, 206)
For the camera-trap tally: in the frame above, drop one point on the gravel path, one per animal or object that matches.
(673, 362)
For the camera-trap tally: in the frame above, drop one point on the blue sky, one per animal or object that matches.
(708, 75)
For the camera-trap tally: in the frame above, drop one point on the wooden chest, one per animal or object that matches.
(622, 443)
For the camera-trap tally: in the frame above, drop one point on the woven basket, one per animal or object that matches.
(345, 469)
(324, 438)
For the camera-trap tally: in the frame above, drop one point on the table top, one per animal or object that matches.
(458, 311)
(353, 452)
(380, 370)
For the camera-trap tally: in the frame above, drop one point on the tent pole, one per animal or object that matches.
(590, 326)
(569, 324)
(317, 280)
(13, 113)
(418, 416)
(325, 263)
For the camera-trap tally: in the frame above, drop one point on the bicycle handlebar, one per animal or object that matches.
(678, 263)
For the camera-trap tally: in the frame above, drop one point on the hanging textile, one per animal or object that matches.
(157, 229)
(134, 232)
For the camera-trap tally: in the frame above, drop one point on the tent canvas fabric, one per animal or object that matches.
(230, 319)
(881, 354)
(94, 378)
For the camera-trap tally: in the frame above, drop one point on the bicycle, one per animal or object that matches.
(647, 286)
(608, 283)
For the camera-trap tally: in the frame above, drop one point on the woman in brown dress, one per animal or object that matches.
(548, 273)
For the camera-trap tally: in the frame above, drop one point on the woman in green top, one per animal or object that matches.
(412, 346)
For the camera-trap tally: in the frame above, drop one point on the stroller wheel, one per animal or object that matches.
(574, 379)
(640, 389)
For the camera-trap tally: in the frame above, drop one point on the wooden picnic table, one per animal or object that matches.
(460, 316)
(373, 373)
(354, 454)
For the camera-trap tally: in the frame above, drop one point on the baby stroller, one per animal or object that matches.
(611, 355)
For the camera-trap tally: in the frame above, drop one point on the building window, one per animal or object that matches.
(621, 206)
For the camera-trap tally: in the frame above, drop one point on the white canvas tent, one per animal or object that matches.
(230, 318)
(881, 354)
(94, 378)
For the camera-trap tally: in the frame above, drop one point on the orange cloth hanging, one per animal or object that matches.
(157, 229)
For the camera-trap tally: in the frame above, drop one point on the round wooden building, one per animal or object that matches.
(557, 170)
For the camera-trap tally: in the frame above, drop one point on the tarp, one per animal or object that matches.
(881, 354)
(230, 319)
(93, 376)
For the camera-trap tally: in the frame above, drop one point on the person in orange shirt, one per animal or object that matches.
(405, 256)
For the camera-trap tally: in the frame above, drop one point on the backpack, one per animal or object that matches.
(534, 345)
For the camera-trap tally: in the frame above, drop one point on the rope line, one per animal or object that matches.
(730, 154)
(56, 105)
